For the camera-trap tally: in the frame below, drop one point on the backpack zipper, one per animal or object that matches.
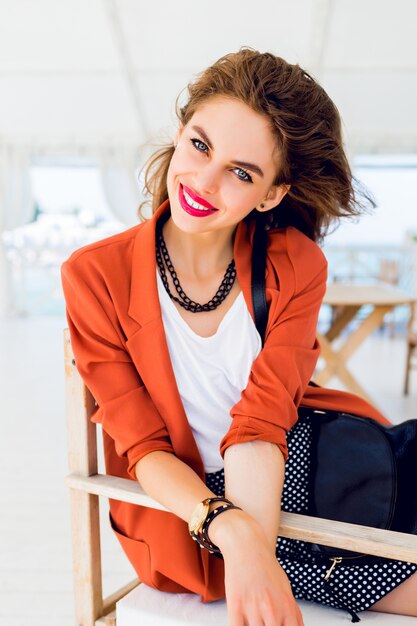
(336, 560)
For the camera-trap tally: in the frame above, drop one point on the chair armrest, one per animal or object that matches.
(375, 541)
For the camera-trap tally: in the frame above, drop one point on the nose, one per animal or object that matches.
(207, 179)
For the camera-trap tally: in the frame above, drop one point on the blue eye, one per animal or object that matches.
(247, 179)
(196, 141)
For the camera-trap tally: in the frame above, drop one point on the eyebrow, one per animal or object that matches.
(248, 166)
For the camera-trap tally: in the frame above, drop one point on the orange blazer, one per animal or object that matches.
(120, 348)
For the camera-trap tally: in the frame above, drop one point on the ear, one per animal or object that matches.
(274, 197)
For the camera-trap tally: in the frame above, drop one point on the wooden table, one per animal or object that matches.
(347, 299)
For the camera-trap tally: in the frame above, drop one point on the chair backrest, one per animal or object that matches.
(389, 271)
(80, 405)
(91, 609)
(86, 485)
(412, 322)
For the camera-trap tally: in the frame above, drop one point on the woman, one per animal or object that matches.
(190, 403)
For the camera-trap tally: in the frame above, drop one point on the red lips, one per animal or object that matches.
(198, 199)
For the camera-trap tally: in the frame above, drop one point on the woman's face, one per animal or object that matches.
(226, 157)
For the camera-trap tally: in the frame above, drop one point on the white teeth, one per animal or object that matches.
(194, 204)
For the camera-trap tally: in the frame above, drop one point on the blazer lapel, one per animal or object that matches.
(148, 346)
(144, 300)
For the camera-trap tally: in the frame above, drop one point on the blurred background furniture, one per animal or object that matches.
(389, 273)
(411, 348)
(348, 299)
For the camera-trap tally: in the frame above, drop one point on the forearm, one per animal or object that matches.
(254, 473)
(254, 477)
(171, 482)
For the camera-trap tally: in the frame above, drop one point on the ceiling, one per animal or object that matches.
(82, 73)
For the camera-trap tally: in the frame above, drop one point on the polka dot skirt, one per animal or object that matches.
(353, 587)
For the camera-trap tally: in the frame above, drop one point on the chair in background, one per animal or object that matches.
(411, 348)
(389, 272)
(86, 485)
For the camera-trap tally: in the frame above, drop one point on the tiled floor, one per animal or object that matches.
(35, 553)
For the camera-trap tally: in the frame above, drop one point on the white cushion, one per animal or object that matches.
(145, 606)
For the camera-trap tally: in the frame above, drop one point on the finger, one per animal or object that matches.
(253, 618)
(300, 621)
(292, 618)
(235, 617)
(296, 619)
(293, 615)
(290, 621)
(275, 618)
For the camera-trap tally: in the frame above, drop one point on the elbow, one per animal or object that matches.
(146, 464)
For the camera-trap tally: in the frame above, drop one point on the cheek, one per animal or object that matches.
(240, 195)
(176, 168)
(184, 160)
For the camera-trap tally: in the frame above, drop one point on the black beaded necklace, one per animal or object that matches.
(186, 302)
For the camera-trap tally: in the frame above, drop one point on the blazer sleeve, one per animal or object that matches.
(125, 408)
(280, 374)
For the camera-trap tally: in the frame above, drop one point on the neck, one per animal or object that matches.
(198, 256)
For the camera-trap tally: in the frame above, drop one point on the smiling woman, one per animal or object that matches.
(304, 144)
(212, 174)
(194, 406)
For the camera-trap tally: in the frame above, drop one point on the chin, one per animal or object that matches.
(181, 223)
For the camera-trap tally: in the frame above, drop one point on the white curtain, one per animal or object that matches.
(16, 209)
(118, 173)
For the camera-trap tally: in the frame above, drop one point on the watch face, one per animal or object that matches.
(198, 517)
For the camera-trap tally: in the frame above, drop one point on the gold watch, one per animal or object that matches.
(200, 513)
(199, 516)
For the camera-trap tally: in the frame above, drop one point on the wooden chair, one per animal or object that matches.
(86, 485)
(389, 272)
(411, 347)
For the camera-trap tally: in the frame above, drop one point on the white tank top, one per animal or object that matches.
(210, 371)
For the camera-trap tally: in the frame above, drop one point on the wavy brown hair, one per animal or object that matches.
(307, 128)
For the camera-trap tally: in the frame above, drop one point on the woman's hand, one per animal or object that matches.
(258, 592)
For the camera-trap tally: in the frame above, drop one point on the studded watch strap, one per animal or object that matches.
(210, 517)
(219, 499)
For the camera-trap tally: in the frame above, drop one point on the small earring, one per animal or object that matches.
(262, 205)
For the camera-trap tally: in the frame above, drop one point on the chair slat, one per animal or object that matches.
(85, 522)
(109, 603)
(107, 620)
(375, 541)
